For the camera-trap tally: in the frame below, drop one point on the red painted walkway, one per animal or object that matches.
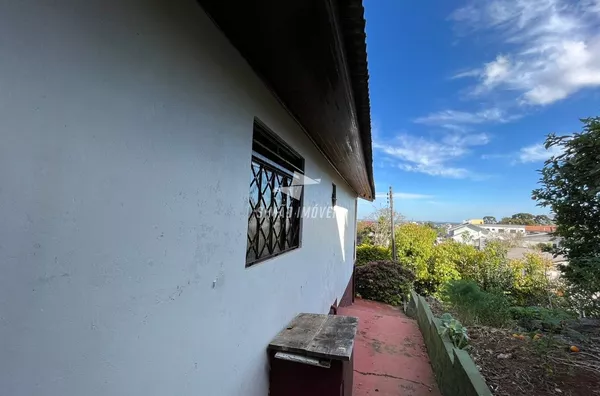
(390, 358)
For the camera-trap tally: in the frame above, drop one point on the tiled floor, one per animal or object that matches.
(390, 358)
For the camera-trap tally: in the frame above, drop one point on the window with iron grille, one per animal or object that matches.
(274, 217)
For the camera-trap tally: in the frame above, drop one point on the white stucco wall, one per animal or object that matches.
(471, 237)
(126, 130)
(507, 228)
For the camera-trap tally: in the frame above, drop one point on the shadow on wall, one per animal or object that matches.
(180, 44)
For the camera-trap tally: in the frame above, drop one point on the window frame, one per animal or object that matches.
(270, 152)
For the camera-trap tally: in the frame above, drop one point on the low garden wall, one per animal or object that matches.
(454, 369)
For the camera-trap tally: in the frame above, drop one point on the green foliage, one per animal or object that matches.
(570, 187)
(538, 318)
(531, 285)
(523, 281)
(364, 232)
(442, 266)
(381, 226)
(385, 281)
(440, 230)
(582, 300)
(414, 246)
(489, 220)
(368, 253)
(519, 218)
(455, 331)
(492, 270)
(475, 306)
(526, 219)
(543, 220)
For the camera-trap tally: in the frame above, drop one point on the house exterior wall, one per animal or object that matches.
(540, 228)
(506, 227)
(471, 236)
(475, 221)
(125, 167)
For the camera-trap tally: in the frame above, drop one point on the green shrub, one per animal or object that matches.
(475, 306)
(369, 253)
(539, 318)
(531, 285)
(385, 281)
(455, 331)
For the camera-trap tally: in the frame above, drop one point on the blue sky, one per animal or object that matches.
(463, 94)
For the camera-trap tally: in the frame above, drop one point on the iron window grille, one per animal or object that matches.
(274, 218)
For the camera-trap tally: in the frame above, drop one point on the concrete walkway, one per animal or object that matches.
(390, 358)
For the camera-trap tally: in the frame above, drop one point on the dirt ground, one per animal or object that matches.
(524, 366)
(514, 363)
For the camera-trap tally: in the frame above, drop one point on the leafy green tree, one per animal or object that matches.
(543, 220)
(382, 226)
(364, 232)
(570, 187)
(489, 220)
(414, 247)
(367, 253)
(531, 283)
(520, 219)
(493, 269)
(430, 224)
(442, 265)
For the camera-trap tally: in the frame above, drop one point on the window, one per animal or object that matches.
(513, 231)
(276, 191)
(500, 230)
(333, 194)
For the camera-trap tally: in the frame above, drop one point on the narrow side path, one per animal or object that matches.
(390, 357)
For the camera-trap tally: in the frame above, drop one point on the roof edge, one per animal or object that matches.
(353, 24)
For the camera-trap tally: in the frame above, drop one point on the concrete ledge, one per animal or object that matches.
(455, 372)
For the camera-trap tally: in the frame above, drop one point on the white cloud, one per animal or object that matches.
(533, 153)
(554, 47)
(495, 156)
(453, 119)
(404, 195)
(537, 153)
(432, 157)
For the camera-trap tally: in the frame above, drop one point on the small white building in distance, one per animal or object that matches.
(477, 234)
(504, 228)
(468, 233)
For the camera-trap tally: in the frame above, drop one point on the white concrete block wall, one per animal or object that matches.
(126, 130)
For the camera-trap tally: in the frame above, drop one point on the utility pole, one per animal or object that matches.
(392, 222)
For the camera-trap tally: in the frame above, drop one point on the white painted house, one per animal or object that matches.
(504, 228)
(468, 233)
(141, 142)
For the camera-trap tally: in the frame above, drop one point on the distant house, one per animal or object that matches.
(504, 228)
(468, 233)
(540, 228)
(474, 221)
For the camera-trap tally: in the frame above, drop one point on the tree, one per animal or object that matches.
(520, 219)
(532, 285)
(414, 246)
(382, 227)
(508, 239)
(570, 187)
(489, 220)
(431, 225)
(364, 232)
(543, 220)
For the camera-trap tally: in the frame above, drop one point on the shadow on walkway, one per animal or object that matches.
(390, 358)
